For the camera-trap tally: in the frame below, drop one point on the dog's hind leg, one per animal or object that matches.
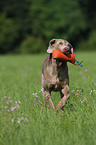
(64, 97)
(47, 100)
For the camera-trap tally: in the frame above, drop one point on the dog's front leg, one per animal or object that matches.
(65, 96)
(47, 100)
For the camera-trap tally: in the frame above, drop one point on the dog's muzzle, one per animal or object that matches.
(66, 50)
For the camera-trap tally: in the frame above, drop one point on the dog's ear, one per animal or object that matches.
(51, 46)
(71, 48)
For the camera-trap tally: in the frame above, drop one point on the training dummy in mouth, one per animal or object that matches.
(57, 54)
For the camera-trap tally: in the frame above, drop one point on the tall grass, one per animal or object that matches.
(23, 117)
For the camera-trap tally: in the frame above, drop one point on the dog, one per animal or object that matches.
(55, 74)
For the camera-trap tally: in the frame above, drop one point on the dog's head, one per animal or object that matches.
(60, 44)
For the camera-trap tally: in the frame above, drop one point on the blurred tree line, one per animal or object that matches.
(26, 26)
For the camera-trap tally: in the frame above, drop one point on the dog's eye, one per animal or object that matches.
(61, 43)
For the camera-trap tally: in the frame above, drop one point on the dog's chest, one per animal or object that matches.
(56, 85)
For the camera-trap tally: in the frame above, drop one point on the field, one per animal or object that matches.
(23, 118)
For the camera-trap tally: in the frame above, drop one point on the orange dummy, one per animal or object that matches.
(57, 54)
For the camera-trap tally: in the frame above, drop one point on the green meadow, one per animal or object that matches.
(23, 118)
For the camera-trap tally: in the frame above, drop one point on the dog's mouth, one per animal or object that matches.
(66, 52)
(59, 61)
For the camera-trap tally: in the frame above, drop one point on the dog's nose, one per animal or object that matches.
(65, 49)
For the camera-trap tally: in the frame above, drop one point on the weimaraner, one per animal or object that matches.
(55, 74)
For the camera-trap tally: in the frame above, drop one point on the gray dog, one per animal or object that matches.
(55, 74)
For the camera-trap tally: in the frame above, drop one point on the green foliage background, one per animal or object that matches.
(26, 26)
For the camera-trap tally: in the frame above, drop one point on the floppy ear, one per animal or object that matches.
(71, 48)
(51, 46)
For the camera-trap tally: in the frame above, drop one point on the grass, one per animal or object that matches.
(23, 117)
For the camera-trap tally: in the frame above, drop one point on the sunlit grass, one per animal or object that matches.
(23, 117)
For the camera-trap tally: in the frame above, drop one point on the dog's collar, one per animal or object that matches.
(50, 56)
